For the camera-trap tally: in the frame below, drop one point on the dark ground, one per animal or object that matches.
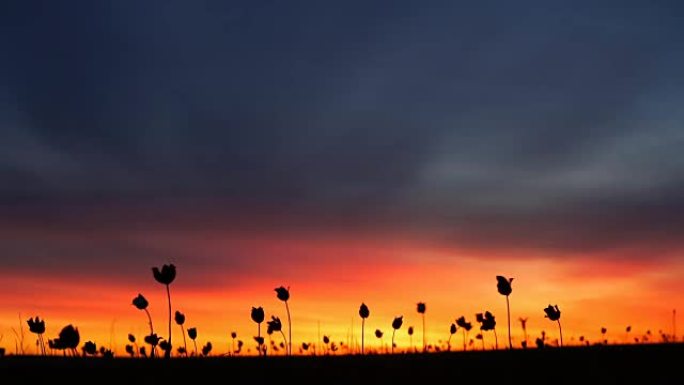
(646, 364)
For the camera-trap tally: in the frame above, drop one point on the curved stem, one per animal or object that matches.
(259, 338)
(167, 354)
(464, 339)
(185, 343)
(483, 344)
(195, 343)
(149, 319)
(449, 342)
(496, 340)
(289, 326)
(508, 307)
(285, 340)
(560, 330)
(363, 333)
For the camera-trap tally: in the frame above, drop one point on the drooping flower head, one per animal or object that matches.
(398, 321)
(274, 325)
(503, 284)
(140, 302)
(180, 318)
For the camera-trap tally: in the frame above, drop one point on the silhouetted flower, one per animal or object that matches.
(131, 338)
(603, 330)
(274, 325)
(283, 294)
(364, 313)
(452, 331)
(140, 302)
(130, 351)
(539, 342)
(233, 335)
(487, 323)
(326, 340)
(165, 276)
(465, 327)
(206, 349)
(258, 314)
(182, 351)
(165, 346)
(179, 318)
(192, 333)
(378, 333)
(152, 339)
(396, 324)
(90, 348)
(410, 330)
(523, 324)
(37, 326)
(503, 285)
(554, 314)
(420, 307)
(628, 329)
(305, 346)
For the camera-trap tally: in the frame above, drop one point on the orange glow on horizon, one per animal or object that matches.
(328, 291)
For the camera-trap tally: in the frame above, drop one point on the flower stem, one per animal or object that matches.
(464, 340)
(185, 343)
(363, 333)
(149, 319)
(285, 339)
(508, 307)
(424, 344)
(289, 326)
(259, 338)
(393, 332)
(560, 330)
(449, 342)
(496, 340)
(195, 343)
(167, 354)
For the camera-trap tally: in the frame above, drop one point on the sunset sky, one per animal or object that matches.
(384, 152)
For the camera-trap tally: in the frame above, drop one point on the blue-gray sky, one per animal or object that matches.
(514, 123)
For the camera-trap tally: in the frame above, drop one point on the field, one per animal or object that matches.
(649, 364)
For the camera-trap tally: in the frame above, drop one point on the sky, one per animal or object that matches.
(385, 152)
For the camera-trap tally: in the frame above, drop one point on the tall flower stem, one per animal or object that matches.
(185, 343)
(259, 337)
(363, 333)
(167, 354)
(285, 339)
(393, 333)
(508, 307)
(195, 343)
(149, 319)
(464, 339)
(560, 330)
(424, 343)
(496, 340)
(289, 326)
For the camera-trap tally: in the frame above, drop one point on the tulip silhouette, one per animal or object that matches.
(283, 294)
(130, 350)
(258, 317)
(465, 326)
(89, 348)
(192, 333)
(165, 276)
(233, 336)
(141, 304)
(487, 323)
(206, 349)
(180, 320)
(420, 307)
(274, 325)
(37, 327)
(503, 285)
(396, 324)
(452, 331)
(364, 313)
(554, 314)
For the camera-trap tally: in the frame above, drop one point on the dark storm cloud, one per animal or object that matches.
(497, 124)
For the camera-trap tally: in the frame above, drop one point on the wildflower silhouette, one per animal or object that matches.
(503, 285)
(283, 294)
(523, 324)
(37, 327)
(326, 342)
(396, 324)
(420, 307)
(487, 323)
(68, 339)
(258, 317)
(89, 348)
(378, 335)
(410, 333)
(141, 304)
(131, 339)
(165, 346)
(274, 325)
(465, 326)
(153, 340)
(233, 336)
(130, 350)
(180, 320)
(452, 331)
(364, 313)
(554, 314)
(166, 276)
(192, 334)
(206, 349)
(603, 335)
